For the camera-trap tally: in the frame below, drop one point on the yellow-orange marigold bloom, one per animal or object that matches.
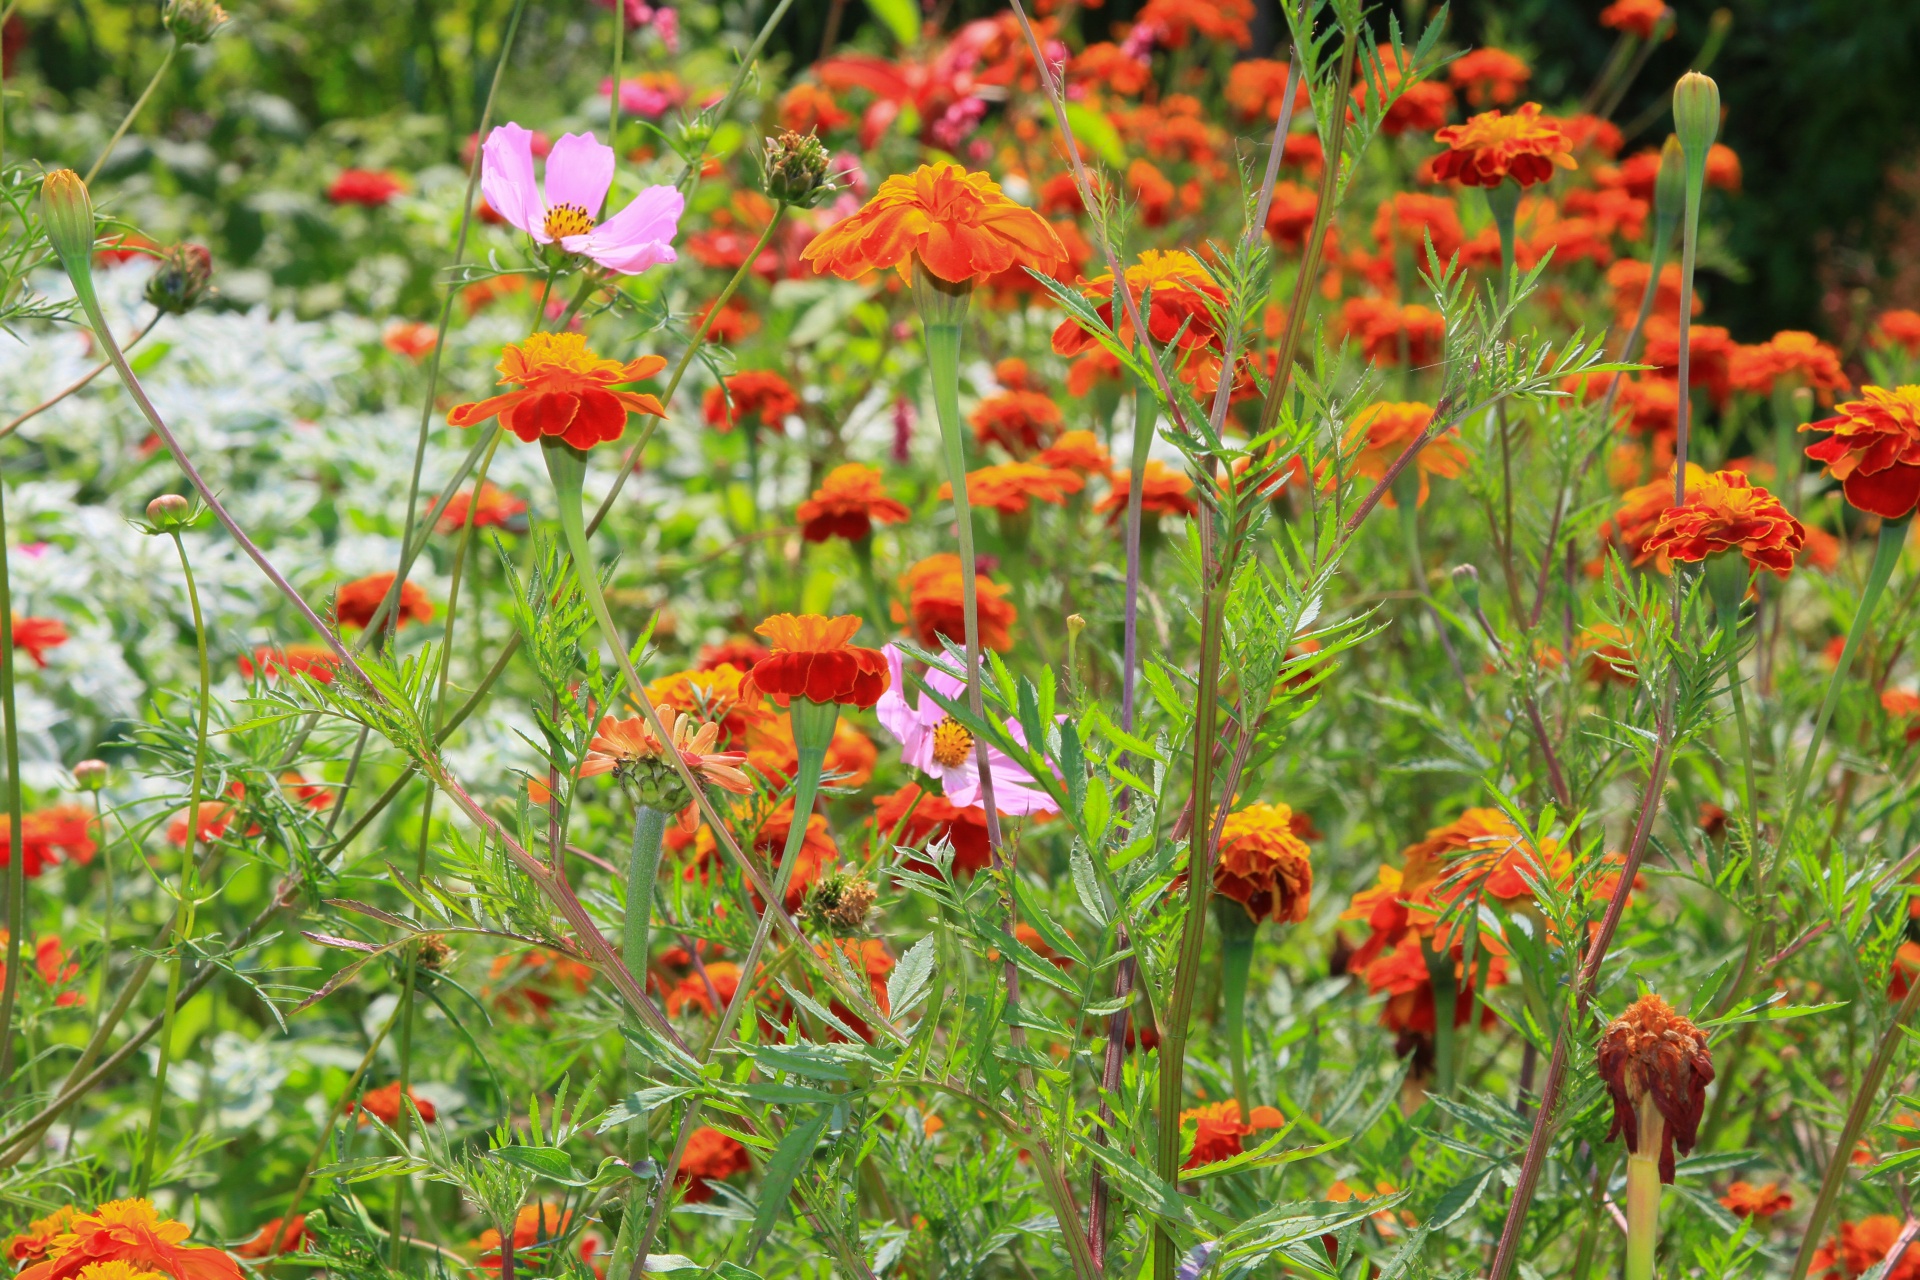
(1382, 433)
(119, 1269)
(1489, 76)
(811, 659)
(1635, 17)
(1748, 1201)
(1387, 330)
(1218, 1130)
(1184, 304)
(1728, 512)
(1018, 421)
(1078, 451)
(315, 661)
(1481, 851)
(36, 1242)
(934, 603)
(1793, 355)
(721, 694)
(1897, 328)
(1163, 491)
(1609, 655)
(1012, 486)
(565, 391)
(130, 1232)
(1492, 147)
(1652, 1054)
(1860, 1247)
(849, 502)
(1264, 865)
(1641, 508)
(1874, 451)
(355, 603)
(959, 225)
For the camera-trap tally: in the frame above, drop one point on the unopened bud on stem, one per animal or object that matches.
(193, 21)
(1696, 116)
(181, 280)
(68, 211)
(90, 775)
(169, 513)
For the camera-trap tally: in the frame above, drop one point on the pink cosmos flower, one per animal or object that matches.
(935, 743)
(579, 173)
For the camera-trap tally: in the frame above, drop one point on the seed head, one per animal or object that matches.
(840, 902)
(182, 279)
(796, 170)
(1657, 1068)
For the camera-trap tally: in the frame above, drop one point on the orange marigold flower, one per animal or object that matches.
(934, 603)
(811, 659)
(315, 661)
(1010, 487)
(929, 819)
(1421, 107)
(1482, 852)
(1218, 1130)
(1264, 865)
(1749, 1201)
(1903, 970)
(719, 693)
(1492, 147)
(409, 338)
(1258, 86)
(314, 795)
(1628, 280)
(958, 225)
(1609, 654)
(1290, 214)
(1108, 64)
(1226, 20)
(277, 1236)
(1078, 451)
(1382, 433)
(496, 509)
(1657, 1068)
(565, 391)
(1489, 77)
(1861, 1246)
(628, 748)
(711, 1157)
(808, 108)
(1412, 219)
(1163, 491)
(1709, 347)
(1641, 508)
(1402, 975)
(36, 1242)
(1723, 167)
(1386, 330)
(848, 502)
(37, 635)
(535, 1228)
(850, 757)
(1184, 304)
(1897, 328)
(1728, 512)
(1793, 355)
(1636, 17)
(1018, 421)
(384, 1102)
(727, 326)
(692, 990)
(750, 391)
(130, 1232)
(1874, 451)
(356, 602)
(1151, 190)
(737, 652)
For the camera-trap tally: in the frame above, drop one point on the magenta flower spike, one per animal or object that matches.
(935, 743)
(579, 174)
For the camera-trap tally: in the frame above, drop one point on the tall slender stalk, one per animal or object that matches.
(16, 881)
(1643, 1194)
(133, 112)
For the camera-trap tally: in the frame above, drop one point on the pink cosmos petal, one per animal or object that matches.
(1014, 790)
(506, 180)
(640, 235)
(579, 171)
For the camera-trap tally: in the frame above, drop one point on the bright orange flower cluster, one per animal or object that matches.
(1860, 1247)
(1264, 864)
(619, 745)
(356, 602)
(315, 661)
(811, 659)
(929, 818)
(750, 391)
(496, 509)
(1390, 333)
(1748, 1201)
(1874, 451)
(1897, 328)
(1180, 300)
(527, 984)
(1492, 147)
(935, 604)
(1163, 492)
(1258, 87)
(849, 502)
(384, 1102)
(47, 836)
(1489, 77)
(130, 1232)
(1077, 451)
(1010, 487)
(51, 964)
(1727, 512)
(37, 635)
(958, 225)
(720, 693)
(1636, 17)
(566, 391)
(711, 1157)
(1219, 1133)
(276, 1236)
(1791, 356)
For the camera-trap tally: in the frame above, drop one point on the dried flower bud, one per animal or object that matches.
(796, 170)
(193, 21)
(1696, 116)
(182, 279)
(169, 513)
(91, 775)
(68, 211)
(1657, 1069)
(840, 902)
(434, 952)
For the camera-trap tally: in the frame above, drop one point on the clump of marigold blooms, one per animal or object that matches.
(1381, 432)
(1219, 1133)
(1727, 512)
(1874, 451)
(1012, 487)
(129, 1232)
(1791, 357)
(849, 502)
(751, 391)
(1392, 334)
(356, 602)
(495, 509)
(1264, 864)
(566, 392)
(384, 1102)
(36, 1242)
(1079, 452)
(935, 605)
(1860, 1247)
(1656, 1066)
(711, 1157)
(1163, 492)
(1493, 147)
(1745, 1200)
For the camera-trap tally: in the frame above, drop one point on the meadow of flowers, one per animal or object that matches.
(1036, 647)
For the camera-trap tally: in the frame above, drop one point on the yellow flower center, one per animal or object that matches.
(568, 220)
(951, 742)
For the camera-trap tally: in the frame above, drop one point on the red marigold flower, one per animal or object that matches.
(691, 991)
(565, 390)
(1018, 421)
(732, 323)
(1079, 451)
(364, 187)
(1710, 351)
(1151, 191)
(277, 1236)
(37, 1241)
(930, 818)
(1636, 17)
(410, 338)
(37, 635)
(1011, 486)
(847, 504)
(1727, 512)
(1185, 303)
(1585, 131)
(1387, 331)
(1412, 219)
(1874, 451)
(737, 652)
(1290, 214)
(711, 1157)
(1489, 77)
(356, 602)
(959, 225)
(1723, 167)
(808, 108)
(535, 1229)
(130, 1231)
(1657, 1068)
(1218, 1130)
(812, 659)
(1860, 1247)
(1177, 20)
(1264, 865)
(1791, 354)
(1163, 492)
(384, 1102)
(1492, 147)
(1749, 1201)
(1613, 213)
(497, 509)
(1628, 280)
(1897, 328)
(934, 602)
(750, 391)
(1402, 975)
(315, 661)
(1258, 86)
(1381, 432)
(314, 795)
(1421, 107)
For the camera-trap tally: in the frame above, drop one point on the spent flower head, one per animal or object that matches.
(182, 279)
(795, 172)
(193, 21)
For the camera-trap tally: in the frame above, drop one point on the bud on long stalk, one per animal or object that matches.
(67, 210)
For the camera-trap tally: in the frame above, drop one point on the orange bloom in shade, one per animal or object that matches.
(130, 1232)
(1010, 487)
(409, 338)
(1401, 974)
(1264, 865)
(384, 1102)
(497, 509)
(750, 391)
(1382, 433)
(929, 819)
(1385, 329)
(314, 795)
(1748, 1201)
(1079, 451)
(36, 1242)
(565, 391)
(1727, 512)
(737, 652)
(1792, 355)
(1723, 167)
(692, 992)
(1420, 108)
(1657, 1068)
(1185, 301)
(1020, 422)
(63, 831)
(1163, 491)
(1218, 1130)
(719, 693)
(1874, 451)
(1898, 328)
(1492, 147)
(356, 602)
(277, 1236)
(1905, 966)
(711, 1157)
(623, 746)
(1709, 346)
(812, 659)
(808, 108)
(1257, 86)
(1226, 20)
(958, 225)
(37, 635)
(1410, 218)
(850, 757)
(528, 984)
(1635, 17)
(1489, 77)
(315, 661)
(847, 504)
(1903, 705)
(934, 602)
(535, 1227)
(1861, 1246)
(1609, 656)
(1290, 214)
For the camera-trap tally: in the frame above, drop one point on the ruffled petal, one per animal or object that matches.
(506, 180)
(600, 418)
(579, 171)
(1889, 494)
(467, 415)
(548, 414)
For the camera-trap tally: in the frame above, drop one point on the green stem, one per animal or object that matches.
(16, 867)
(1236, 963)
(1446, 995)
(643, 866)
(1729, 618)
(619, 52)
(1504, 203)
(1643, 1200)
(140, 104)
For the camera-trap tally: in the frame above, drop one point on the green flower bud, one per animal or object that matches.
(90, 775)
(68, 212)
(193, 21)
(169, 513)
(182, 279)
(1696, 116)
(796, 170)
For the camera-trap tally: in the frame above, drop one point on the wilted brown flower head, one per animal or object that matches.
(840, 902)
(1657, 1069)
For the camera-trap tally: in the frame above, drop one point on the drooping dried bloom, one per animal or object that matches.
(1748, 1201)
(1874, 451)
(496, 509)
(812, 659)
(1492, 147)
(356, 602)
(1011, 486)
(1219, 1132)
(1657, 1068)
(849, 501)
(1727, 512)
(1163, 492)
(565, 391)
(1264, 864)
(130, 1231)
(760, 391)
(958, 225)
(384, 1102)
(711, 1157)
(1489, 77)
(1382, 433)
(935, 603)
(1020, 422)
(628, 750)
